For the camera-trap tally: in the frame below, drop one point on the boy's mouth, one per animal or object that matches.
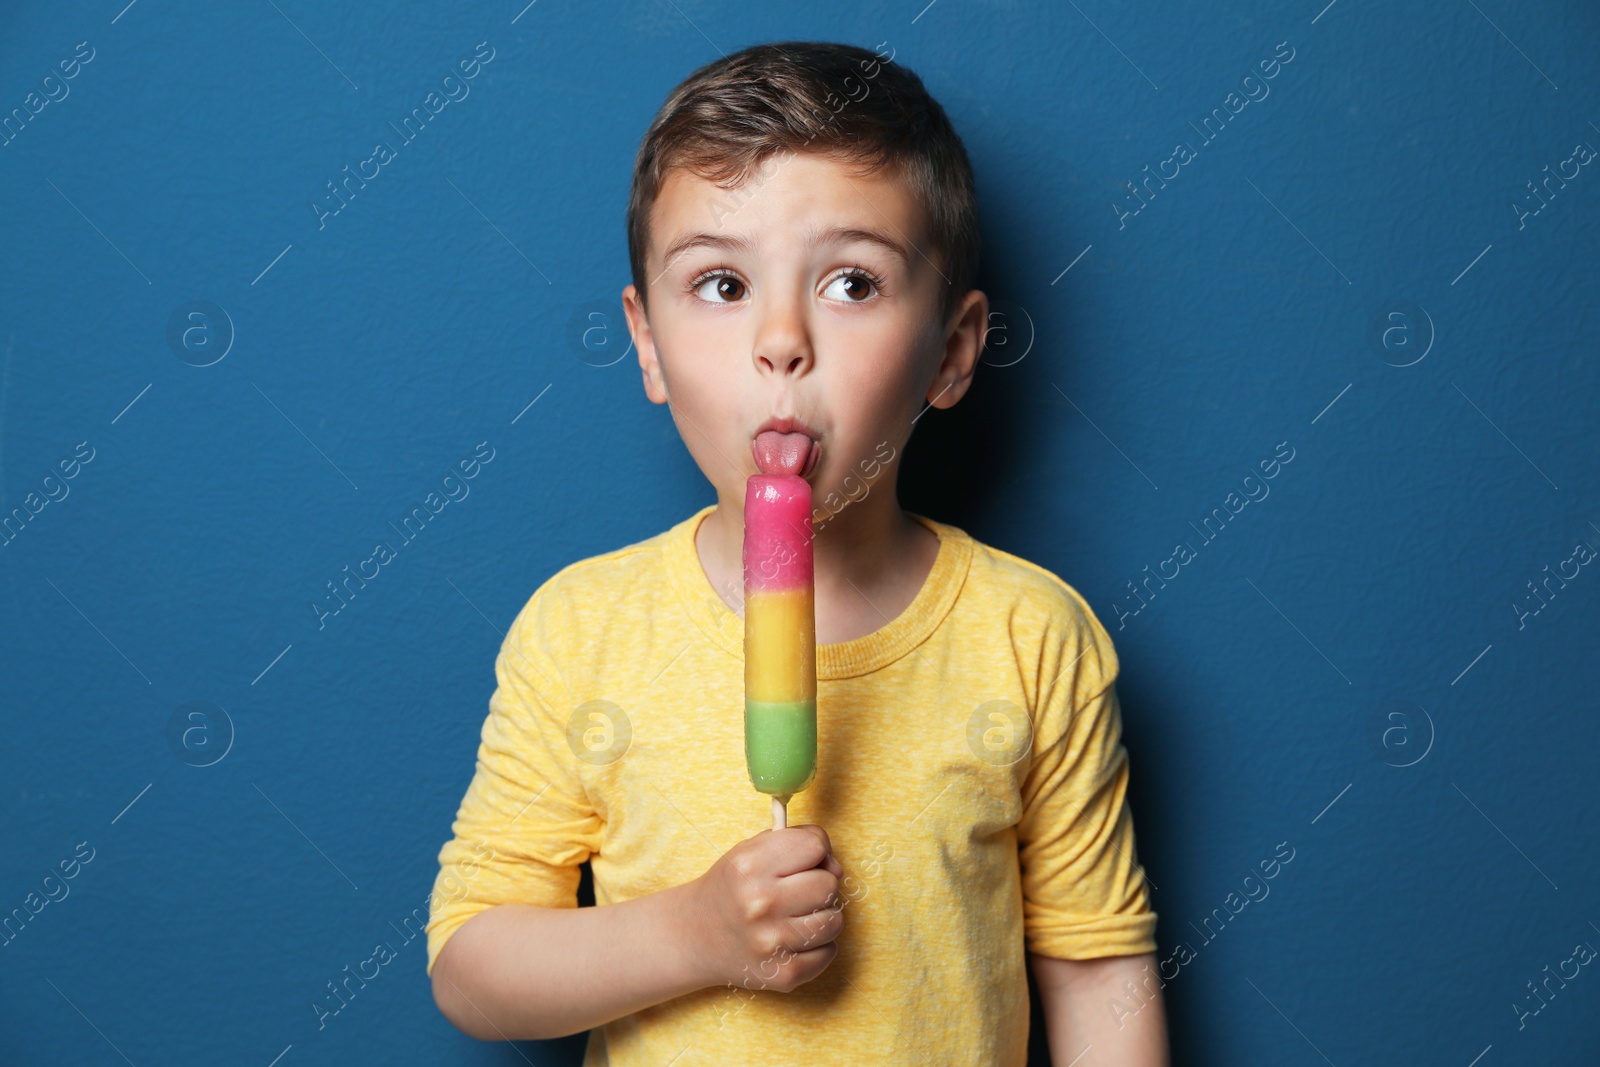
(785, 446)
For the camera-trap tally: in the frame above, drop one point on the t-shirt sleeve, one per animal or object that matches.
(1084, 894)
(526, 823)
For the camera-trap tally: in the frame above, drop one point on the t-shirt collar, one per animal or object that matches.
(844, 659)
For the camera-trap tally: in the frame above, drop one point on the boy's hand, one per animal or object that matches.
(766, 913)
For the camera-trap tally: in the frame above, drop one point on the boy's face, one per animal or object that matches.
(775, 300)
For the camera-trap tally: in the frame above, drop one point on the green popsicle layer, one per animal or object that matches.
(780, 745)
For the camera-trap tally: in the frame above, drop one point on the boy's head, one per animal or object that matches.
(803, 238)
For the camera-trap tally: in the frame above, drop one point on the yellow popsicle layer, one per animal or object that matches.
(780, 646)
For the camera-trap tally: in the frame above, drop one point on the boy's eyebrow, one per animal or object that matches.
(831, 235)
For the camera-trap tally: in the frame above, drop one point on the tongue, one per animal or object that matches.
(782, 453)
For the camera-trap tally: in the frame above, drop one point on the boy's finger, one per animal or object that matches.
(810, 899)
(807, 847)
(828, 861)
(813, 828)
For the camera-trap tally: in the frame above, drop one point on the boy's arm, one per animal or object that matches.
(527, 963)
(512, 959)
(520, 971)
(764, 915)
(1092, 1018)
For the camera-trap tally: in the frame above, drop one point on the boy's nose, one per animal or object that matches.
(783, 344)
(788, 364)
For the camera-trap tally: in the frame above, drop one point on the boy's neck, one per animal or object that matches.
(870, 561)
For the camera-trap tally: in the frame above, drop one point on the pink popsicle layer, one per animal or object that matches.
(777, 533)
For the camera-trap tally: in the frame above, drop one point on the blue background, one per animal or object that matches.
(1343, 669)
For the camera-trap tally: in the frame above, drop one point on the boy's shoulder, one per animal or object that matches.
(1032, 598)
(583, 595)
(996, 572)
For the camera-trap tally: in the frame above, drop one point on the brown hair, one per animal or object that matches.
(728, 117)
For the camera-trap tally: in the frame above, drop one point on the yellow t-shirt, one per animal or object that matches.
(970, 775)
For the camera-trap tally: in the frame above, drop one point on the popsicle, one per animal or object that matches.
(780, 639)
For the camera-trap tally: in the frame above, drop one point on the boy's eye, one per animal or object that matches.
(853, 287)
(718, 288)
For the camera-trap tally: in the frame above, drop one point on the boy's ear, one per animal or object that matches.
(655, 383)
(963, 344)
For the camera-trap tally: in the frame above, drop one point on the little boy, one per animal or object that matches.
(804, 243)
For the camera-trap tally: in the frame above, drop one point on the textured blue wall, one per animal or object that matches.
(1354, 272)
